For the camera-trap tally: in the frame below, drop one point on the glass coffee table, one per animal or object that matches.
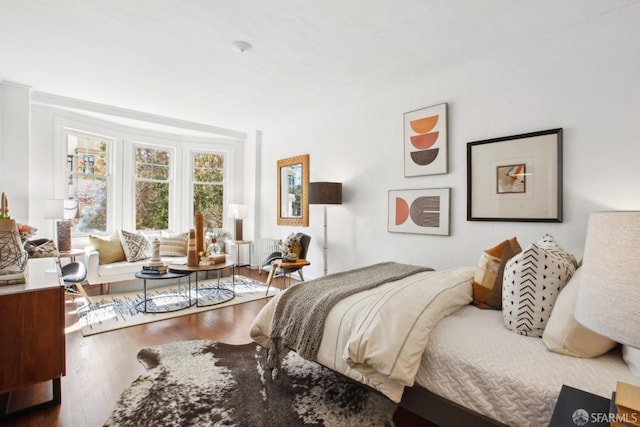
(164, 302)
(209, 295)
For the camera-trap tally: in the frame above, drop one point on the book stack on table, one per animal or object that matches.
(625, 406)
(154, 269)
(13, 279)
(218, 259)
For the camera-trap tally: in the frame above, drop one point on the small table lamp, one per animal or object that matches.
(63, 210)
(238, 212)
(325, 193)
(609, 294)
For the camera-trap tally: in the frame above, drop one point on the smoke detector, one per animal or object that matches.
(242, 46)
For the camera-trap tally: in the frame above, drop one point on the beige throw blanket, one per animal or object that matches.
(300, 314)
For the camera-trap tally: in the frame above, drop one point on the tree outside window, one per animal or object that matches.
(152, 174)
(208, 187)
(88, 181)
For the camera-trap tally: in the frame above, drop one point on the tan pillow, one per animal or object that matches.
(109, 248)
(173, 244)
(487, 281)
(563, 334)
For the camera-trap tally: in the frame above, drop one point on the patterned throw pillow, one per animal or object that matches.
(173, 244)
(487, 281)
(532, 281)
(136, 246)
(109, 248)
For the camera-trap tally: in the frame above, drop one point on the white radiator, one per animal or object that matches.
(265, 247)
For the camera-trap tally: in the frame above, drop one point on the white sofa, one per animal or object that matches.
(106, 274)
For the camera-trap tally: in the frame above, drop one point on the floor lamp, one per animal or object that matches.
(325, 193)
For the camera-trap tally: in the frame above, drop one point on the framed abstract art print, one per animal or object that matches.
(419, 211)
(515, 178)
(425, 141)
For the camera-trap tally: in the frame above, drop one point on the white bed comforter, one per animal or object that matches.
(377, 337)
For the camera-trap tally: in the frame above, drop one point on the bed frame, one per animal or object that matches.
(441, 411)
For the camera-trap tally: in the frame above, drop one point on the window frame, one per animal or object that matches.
(120, 168)
(129, 190)
(188, 173)
(109, 175)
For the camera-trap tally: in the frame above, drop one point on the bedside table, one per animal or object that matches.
(576, 407)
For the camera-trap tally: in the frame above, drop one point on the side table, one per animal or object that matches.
(284, 265)
(239, 243)
(223, 293)
(175, 306)
(576, 407)
(73, 253)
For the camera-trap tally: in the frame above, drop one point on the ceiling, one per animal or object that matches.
(176, 58)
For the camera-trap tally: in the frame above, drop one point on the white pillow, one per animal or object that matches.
(531, 283)
(563, 334)
(632, 357)
(136, 246)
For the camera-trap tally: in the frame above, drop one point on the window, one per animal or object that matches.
(137, 179)
(208, 186)
(152, 186)
(88, 180)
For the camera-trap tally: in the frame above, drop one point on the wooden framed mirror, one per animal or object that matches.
(293, 191)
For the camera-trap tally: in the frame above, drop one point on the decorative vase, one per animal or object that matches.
(13, 257)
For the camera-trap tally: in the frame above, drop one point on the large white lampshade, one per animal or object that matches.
(609, 295)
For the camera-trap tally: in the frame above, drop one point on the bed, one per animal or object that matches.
(418, 340)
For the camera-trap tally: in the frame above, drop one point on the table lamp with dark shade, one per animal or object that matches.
(325, 193)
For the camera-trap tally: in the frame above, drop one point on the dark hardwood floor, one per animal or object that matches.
(100, 367)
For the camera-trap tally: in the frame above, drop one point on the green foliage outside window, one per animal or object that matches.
(208, 189)
(152, 188)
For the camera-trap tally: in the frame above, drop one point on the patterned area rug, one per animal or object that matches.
(115, 311)
(204, 383)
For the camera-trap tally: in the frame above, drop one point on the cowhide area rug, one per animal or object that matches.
(206, 383)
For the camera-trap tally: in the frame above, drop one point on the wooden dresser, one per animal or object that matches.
(32, 322)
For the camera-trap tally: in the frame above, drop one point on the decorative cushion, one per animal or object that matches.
(292, 246)
(41, 248)
(563, 334)
(109, 248)
(532, 281)
(136, 246)
(173, 244)
(632, 358)
(487, 281)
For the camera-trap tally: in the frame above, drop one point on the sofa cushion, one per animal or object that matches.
(136, 246)
(173, 244)
(563, 334)
(109, 248)
(487, 281)
(532, 281)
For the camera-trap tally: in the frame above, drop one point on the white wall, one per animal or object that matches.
(585, 79)
(15, 122)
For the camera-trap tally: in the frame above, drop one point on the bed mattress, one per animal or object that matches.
(473, 360)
